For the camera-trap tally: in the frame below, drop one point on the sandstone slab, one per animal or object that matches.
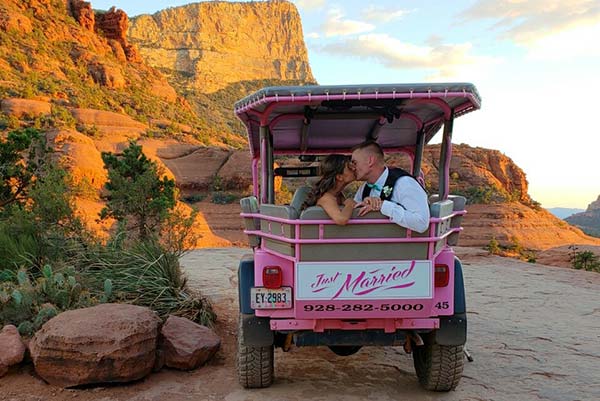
(187, 345)
(104, 343)
(24, 107)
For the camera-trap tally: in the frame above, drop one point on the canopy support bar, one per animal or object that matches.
(445, 155)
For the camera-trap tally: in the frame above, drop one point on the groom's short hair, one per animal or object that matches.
(371, 146)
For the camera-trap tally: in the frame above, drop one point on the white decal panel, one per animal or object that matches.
(333, 281)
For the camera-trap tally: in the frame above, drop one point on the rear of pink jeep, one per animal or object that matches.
(371, 282)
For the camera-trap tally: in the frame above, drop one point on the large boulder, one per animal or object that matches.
(187, 345)
(104, 343)
(12, 348)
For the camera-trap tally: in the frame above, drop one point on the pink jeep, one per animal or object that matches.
(310, 282)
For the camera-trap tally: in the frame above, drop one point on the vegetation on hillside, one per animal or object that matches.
(50, 263)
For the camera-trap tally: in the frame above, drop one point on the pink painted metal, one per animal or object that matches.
(320, 325)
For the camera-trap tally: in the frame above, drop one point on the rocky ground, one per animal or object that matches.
(534, 332)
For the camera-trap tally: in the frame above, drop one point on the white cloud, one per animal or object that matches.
(310, 4)
(335, 25)
(528, 21)
(312, 35)
(444, 61)
(579, 42)
(381, 14)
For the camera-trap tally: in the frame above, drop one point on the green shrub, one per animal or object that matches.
(584, 260)
(194, 198)
(147, 275)
(493, 247)
(223, 198)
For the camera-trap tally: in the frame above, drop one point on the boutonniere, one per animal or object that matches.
(387, 190)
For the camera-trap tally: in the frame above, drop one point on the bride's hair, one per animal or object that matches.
(331, 166)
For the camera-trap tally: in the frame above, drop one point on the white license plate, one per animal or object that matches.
(269, 298)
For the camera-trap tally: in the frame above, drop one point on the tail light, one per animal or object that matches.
(442, 275)
(272, 277)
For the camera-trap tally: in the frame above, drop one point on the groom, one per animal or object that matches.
(392, 191)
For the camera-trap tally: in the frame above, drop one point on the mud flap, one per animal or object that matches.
(256, 331)
(453, 329)
(245, 282)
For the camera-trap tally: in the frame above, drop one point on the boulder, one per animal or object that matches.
(187, 345)
(104, 343)
(12, 348)
(22, 107)
(105, 118)
(186, 171)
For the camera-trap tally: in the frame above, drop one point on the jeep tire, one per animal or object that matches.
(438, 367)
(255, 364)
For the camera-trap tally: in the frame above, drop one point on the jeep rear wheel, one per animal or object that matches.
(255, 364)
(438, 367)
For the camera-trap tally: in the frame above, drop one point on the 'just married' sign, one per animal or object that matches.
(333, 281)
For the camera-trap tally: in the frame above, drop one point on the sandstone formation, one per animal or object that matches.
(517, 224)
(83, 13)
(187, 345)
(113, 24)
(588, 221)
(104, 343)
(12, 349)
(25, 107)
(220, 42)
(595, 205)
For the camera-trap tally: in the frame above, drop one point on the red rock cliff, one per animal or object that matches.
(220, 42)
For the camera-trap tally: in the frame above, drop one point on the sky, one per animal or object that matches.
(536, 64)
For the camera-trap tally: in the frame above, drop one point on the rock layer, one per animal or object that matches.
(104, 343)
(221, 42)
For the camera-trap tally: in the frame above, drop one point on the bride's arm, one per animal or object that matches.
(331, 207)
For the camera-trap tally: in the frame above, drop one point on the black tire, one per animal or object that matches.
(256, 365)
(438, 367)
(345, 350)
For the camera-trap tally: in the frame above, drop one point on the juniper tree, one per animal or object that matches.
(138, 198)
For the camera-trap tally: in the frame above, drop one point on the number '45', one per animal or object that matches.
(442, 305)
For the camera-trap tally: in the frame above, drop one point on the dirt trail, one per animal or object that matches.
(534, 332)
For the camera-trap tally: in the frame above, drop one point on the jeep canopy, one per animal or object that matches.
(325, 119)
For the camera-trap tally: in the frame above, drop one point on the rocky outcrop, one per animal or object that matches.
(12, 349)
(25, 107)
(187, 345)
(104, 343)
(474, 168)
(11, 21)
(588, 221)
(113, 24)
(83, 13)
(595, 205)
(218, 43)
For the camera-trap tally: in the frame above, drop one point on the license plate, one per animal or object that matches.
(270, 298)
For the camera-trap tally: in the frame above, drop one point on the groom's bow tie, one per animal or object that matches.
(374, 186)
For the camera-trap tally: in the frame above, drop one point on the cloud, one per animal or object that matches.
(312, 35)
(310, 4)
(527, 22)
(335, 25)
(381, 14)
(443, 61)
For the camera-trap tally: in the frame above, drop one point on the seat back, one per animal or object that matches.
(280, 229)
(458, 204)
(249, 204)
(300, 197)
(357, 251)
